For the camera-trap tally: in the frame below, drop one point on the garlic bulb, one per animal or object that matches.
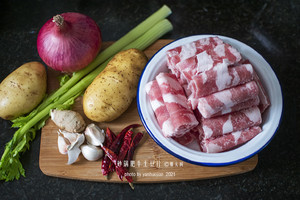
(94, 135)
(91, 153)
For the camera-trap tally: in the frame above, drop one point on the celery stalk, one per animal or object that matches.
(10, 165)
(158, 30)
(139, 30)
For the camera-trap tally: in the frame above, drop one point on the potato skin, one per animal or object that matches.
(22, 90)
(113, 90)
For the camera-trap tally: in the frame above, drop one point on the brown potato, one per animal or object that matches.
(113, 90)
(22, 90)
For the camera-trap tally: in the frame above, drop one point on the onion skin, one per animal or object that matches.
(70, 46)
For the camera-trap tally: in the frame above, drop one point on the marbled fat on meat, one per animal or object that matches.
(219, 78)
(186, 139)
(189, 137)
(210, 55)
(217, 102)
(191, 49)
(263, 97)
(236, 121)
(229, 141)
(159, 108)
(193, 66)
(182, 117)
(246, 104)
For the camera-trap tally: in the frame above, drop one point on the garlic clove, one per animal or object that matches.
(71, 137)
(62, 143)
(74, 149)
(73, 155)
(79, 141)
(94, 135)
(91, 153)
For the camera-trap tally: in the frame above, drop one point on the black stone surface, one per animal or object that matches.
(270, 27)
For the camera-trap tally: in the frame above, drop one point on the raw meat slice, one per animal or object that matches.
(192, 66)
(186, 139)
(182, 117)
(229, 141)
(185, 69)
(263, 97)
(225, 51)
(187, 91)
(191, 49)
(159, 108)
(225, 100)
(217, 126)
(246, 104)
(219, 78)
(189, 137)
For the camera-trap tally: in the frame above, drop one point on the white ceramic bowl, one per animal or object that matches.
(271, 117)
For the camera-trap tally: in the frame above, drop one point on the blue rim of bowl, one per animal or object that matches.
(183, 158)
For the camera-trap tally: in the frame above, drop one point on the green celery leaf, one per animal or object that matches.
(63, 79)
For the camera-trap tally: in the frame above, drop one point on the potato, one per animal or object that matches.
(113, 90)
(22, 90)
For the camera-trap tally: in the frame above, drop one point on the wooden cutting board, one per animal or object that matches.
(151, 163)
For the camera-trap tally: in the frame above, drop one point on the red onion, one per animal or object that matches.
(69, 42)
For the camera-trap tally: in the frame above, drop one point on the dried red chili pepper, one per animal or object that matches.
(116, 145)
(106, 163)
(111, 167)
(121, 171)
(118, 141)
(107, 166)
(135, 141)
(110, 137)
(125, 146)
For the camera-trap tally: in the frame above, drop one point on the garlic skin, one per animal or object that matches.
(71, 137)
(68, 120)
(74, 149)
(94, 135)
(91, 153)
(63, 144)
(73, 155)
(79, 141)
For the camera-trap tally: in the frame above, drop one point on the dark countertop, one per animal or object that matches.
(270, 27)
